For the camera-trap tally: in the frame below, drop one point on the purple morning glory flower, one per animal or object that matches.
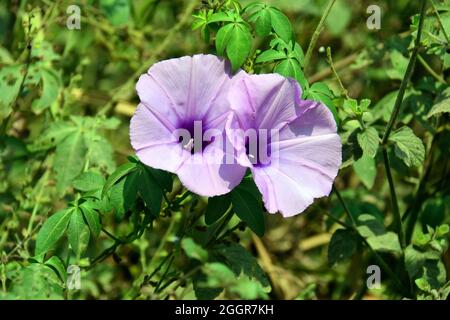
(297, 152)
(179, 124)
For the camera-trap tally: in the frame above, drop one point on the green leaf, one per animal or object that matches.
(342, 246)
(193, 250)
(387, 242)
(291, 68)
(442, 104)
(130, 190)
(117, 11)
(370, 226)
(239, 45)
(53, 135)
(241, 261)
(51, 86)
(78, 233)
(217, 206)
(270, 55)
(319, 91)
(369, 141)
(263, 21)
(52, 230)
(120, 172)
(399, 64)
(56, 264)
(69, 160)
(10, 80)
(408, 147)
(92, 218)
(220, 17)
(366, 170)
(150, 190)
(89, 181)
(248, 206)
(281, 24)
(222, 38)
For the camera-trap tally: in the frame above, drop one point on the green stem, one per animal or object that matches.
(336, 75)
(344, 205)
(379, 259)
(440, 22)
(316, 34)
(406, 78)
(430, 70)
(392, 120)
(216, 233)
(395, 210)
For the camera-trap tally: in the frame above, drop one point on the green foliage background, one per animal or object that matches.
(72, 194)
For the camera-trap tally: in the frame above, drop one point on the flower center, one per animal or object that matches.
(258, 148)
(191, 135)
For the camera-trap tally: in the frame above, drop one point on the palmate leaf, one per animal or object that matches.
(53, 135)
(92, 218)
(120, 172)
(69, 160)
(150, 190)
(319, 91)
(52, 230)
(281, 24)
(10, 79)
(291, 68)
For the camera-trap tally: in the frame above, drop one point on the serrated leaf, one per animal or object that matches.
(408, 147)
(69, 160)
(52, 230)
(239, 45)
(387, 242)
(78, 233)
(216, 208)
(248, 206)
(120, 172)
(365, 168)
(442, 105)
(342, 246)
(193, 250)
(368, 141)
(89, 181)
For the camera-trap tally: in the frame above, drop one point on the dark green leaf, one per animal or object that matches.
(121, 171)
(248, 206)
(217, 206)
(342, 246)
(78, 233)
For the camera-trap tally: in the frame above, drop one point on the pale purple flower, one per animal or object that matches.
(300, 153)
(178, 94)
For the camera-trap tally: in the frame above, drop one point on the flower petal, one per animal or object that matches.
(305, 163)
(153, 140)
(188, 88)
(266, 101)
(208, 173)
